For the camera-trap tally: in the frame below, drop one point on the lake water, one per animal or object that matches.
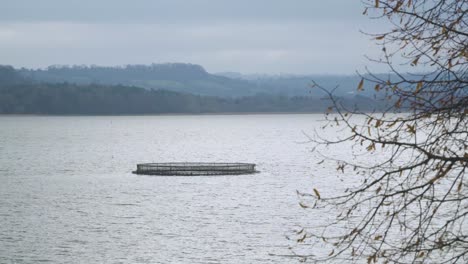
(68, 195)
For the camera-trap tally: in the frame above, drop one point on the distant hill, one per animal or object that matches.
(194, 79)
(168, 88)
(72, 99)
(290, 84)
(97, 99)
(177, 77)
(10, 76)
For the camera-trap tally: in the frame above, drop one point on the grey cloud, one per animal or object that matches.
(263, 36)
(291, 47)
(176, 11)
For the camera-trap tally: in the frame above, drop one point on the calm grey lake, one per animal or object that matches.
(68, 195)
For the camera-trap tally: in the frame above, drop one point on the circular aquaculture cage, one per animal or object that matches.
(195, 168)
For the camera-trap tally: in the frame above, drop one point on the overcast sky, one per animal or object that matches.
(248, 36)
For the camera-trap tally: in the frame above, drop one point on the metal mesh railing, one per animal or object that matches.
(195, 168)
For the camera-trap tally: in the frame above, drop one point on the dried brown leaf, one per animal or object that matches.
(317, 193)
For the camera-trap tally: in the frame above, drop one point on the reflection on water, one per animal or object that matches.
(68, 195)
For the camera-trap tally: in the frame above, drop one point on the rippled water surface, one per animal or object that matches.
(68, 195)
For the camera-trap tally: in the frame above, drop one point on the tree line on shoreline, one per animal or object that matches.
(20, 94)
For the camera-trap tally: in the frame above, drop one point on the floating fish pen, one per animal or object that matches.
(195, 169)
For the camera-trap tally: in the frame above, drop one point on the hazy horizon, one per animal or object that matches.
(227, 72)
